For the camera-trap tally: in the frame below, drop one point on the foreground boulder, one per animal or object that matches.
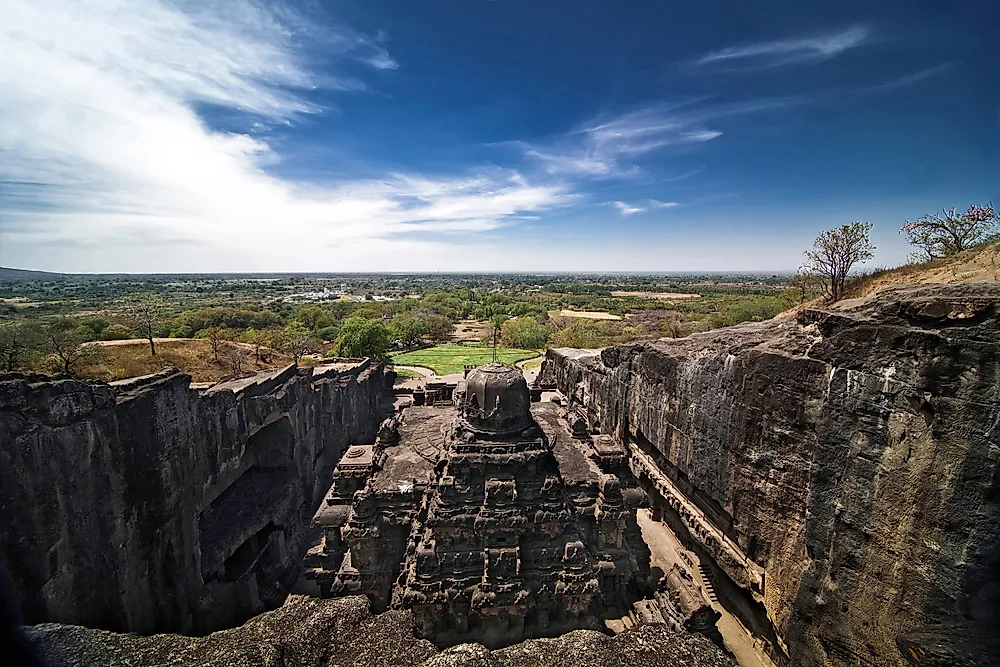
(309, 632)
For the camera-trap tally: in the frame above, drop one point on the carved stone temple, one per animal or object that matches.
(490, 518)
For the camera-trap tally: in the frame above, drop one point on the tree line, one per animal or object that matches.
(239, 334)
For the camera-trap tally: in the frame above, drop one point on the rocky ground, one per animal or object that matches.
(309, 632)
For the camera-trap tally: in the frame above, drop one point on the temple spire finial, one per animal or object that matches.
(495, 329)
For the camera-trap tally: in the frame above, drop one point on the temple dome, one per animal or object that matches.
(496, 400)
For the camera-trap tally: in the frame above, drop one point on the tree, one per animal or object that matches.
(143, 313)
(67, 345)
(805, 282)
(312, 317)
(493, 333)
(362, 337)
(17, 341)
(408, 329)
(183, 331)
(835, 252)
(95, 324)
(258, 340)
(217, 337)
(297, 341)
(632, 332)
(328, 333)
(116, 332)
(439, 327)
(267, 341)
(582, 334)
(236, 357)
(672, 324)
(525, 333)
(948, 232)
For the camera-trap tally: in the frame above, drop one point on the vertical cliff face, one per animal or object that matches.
(147, 505)
(851, 453)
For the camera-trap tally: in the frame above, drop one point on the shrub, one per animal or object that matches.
(361, 337)
(524, 333)
(183, 331)
(116, 332)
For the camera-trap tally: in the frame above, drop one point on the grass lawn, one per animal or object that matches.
(406, 374)
(534, 365)
(447, 359)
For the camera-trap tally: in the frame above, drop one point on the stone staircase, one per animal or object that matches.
(706, 577)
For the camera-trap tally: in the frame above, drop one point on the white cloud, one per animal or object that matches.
(380, 60)
(626, 209)
(662, 204)
(703, 135)
(631, 209)
(908, 79)
(763, 55)
(572, 164)
(646, 130)
(104, 152)
(608, 147)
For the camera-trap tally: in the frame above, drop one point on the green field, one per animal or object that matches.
(407, 374)
(447, 359)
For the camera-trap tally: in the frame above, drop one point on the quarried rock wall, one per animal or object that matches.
(851, 452)
(147, 505)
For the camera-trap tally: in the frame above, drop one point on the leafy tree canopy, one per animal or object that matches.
(363, 337)
(524, 333)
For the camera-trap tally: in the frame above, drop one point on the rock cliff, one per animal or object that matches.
(308, 632)
(148, 505)
(849, 454)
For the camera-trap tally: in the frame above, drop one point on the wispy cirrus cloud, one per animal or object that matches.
(648, 204)
(908, 79)
(612, 146)
(799, 50)
(101, 140)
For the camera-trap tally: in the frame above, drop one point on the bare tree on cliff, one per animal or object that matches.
(217, 337)
(143, 312)
(67, 346)
(835, 252)
(237, 357)
(948, 232)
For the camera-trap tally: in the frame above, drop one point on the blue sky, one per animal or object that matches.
(410, 135)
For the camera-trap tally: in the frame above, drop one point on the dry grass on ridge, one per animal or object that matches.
(117, 362)
(978, 265)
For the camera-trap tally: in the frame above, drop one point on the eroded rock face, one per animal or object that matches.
(851, 452)
(147, 505)
(309, 632)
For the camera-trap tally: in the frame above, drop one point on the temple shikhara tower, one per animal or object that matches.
(490, 517)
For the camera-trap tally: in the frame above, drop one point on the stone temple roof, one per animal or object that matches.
(496, 400)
